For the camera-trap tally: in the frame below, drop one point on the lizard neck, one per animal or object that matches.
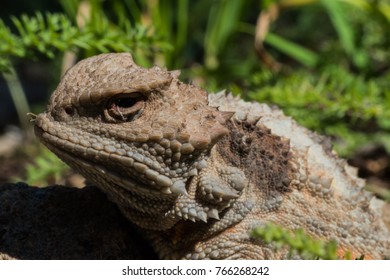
(216, 188)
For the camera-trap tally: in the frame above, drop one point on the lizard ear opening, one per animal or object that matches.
(124, 107)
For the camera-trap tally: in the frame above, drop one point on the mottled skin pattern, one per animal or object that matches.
(196, 172)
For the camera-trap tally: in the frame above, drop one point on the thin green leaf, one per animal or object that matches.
(223, 18)
(344, 29)
(299, 53)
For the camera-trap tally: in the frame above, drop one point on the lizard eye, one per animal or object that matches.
(125, 107)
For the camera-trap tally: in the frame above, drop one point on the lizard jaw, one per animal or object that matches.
(135, 175)
(183, 190)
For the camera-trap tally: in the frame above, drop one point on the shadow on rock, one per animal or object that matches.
(60, 222)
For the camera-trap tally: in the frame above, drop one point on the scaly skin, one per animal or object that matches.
(195, 172)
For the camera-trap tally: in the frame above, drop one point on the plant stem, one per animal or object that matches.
(18, 96)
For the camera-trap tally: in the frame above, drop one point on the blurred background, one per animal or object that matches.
(324, 62)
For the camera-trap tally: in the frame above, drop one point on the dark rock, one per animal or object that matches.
(59, 222)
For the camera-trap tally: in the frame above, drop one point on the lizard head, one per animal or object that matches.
(124, 125)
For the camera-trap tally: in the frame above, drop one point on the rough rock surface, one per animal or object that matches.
(60, 222)
(196, 172)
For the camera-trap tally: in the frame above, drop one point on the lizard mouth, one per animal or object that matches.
(128, 173)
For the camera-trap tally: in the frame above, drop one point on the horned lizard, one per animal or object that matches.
(196, 172)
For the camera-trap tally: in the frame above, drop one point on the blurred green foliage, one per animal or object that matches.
(353, 109)
(331, 57)
(298, 242)
(46, 169)
(49, 34)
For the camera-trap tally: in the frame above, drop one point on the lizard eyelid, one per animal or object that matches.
(124, 107)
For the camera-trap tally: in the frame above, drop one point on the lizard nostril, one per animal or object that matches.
(69, 110)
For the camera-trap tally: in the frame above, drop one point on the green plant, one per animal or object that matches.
(348, 107)
(17, 94)
(298, 242)
(49, 34)
(46, 169)
(352, 22)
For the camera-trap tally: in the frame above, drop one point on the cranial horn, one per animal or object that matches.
(175, 73)
(226, 115)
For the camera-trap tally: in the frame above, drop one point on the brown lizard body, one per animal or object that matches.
(198, 172)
